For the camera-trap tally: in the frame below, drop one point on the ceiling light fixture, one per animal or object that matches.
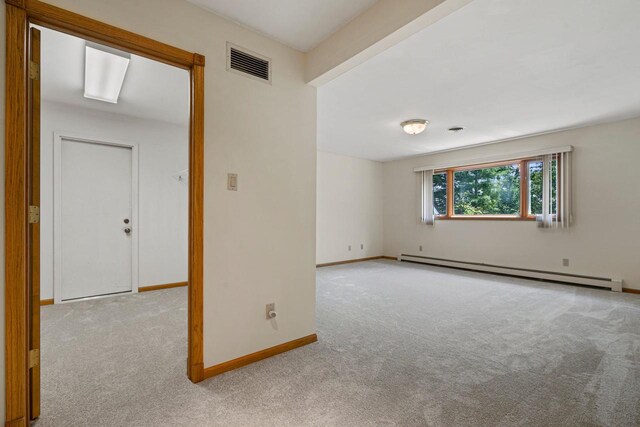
(456, 129)
(104, 72)
(414, 126)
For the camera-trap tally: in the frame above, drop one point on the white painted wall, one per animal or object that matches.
(603, 240)
(349, 208)
(266, 134)
(163, 201)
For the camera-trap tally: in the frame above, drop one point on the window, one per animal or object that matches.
(505, 190)
(440, 194)
(535, 176)
(537, 186)
(491, 190)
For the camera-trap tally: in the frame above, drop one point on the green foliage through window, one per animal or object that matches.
(495, 190)
(536, 176)
(487, 191)
(440, 194)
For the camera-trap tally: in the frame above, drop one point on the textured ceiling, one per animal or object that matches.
(500, 68)
(301, 24)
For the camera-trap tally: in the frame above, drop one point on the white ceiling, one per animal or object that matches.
(300, 24)
(151, 89)
(501, 68)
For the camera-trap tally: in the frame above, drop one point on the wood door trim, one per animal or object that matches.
(221, 368)
(19, 13)
(33, 167)
(16, 312)
(20, 422)
(196, 222)
(93, 30)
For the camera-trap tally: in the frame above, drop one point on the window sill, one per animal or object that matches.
(484, 218)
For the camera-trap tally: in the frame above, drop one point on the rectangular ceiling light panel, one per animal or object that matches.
(104, 73)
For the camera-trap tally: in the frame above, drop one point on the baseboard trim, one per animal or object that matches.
(608, 283)
(631, 291)
(221, 368)
(349, 261)
(140, 289)
(159, 287)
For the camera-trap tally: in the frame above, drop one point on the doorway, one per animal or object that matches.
(22, 194)
(112, 217)
(95, 218)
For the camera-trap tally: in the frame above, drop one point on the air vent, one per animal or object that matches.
(248, 63)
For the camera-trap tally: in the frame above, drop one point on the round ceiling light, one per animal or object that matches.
(414, 126)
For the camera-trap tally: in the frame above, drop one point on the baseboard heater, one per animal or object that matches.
(602, 282)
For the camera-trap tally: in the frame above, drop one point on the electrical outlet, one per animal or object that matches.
(565, 262)
(361, 245)
(349, 247)
(271, 308)
(232, 181)
(420, 247)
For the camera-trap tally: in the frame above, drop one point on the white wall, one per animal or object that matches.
(603, 240)
(260, 241)
(267, 135)
(163, 150)
(349, 208)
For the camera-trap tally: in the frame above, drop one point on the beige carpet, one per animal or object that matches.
(400, 344)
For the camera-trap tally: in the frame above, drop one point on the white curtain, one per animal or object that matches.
(556, 191)
(426, 196)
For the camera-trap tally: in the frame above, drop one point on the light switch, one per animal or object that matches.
(232, 182)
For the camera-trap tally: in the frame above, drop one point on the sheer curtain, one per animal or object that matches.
(426, 197)
(556, 191)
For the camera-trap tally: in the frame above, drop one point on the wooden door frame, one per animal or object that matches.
(58, 137)
(19, 14)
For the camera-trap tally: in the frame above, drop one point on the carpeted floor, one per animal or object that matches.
(400, 344)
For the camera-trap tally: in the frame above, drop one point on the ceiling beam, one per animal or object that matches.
(383, 25)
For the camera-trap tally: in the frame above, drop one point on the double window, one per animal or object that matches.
(506, 190)
(529, 188)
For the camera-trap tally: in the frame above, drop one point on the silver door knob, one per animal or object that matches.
(127, 230)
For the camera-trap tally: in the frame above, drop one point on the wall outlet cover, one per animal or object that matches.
(232, 181)
(269, 308)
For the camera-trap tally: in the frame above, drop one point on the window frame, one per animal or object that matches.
(524, 192)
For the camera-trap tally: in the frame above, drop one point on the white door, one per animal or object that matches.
(94, 225)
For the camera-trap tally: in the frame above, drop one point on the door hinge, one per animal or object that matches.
(34, 358)
(34, 214)
(34, 70)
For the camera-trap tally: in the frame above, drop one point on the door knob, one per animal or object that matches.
(127, 230)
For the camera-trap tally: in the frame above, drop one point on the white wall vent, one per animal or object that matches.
(247, 63)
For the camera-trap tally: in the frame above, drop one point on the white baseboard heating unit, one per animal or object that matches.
(602, 282)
